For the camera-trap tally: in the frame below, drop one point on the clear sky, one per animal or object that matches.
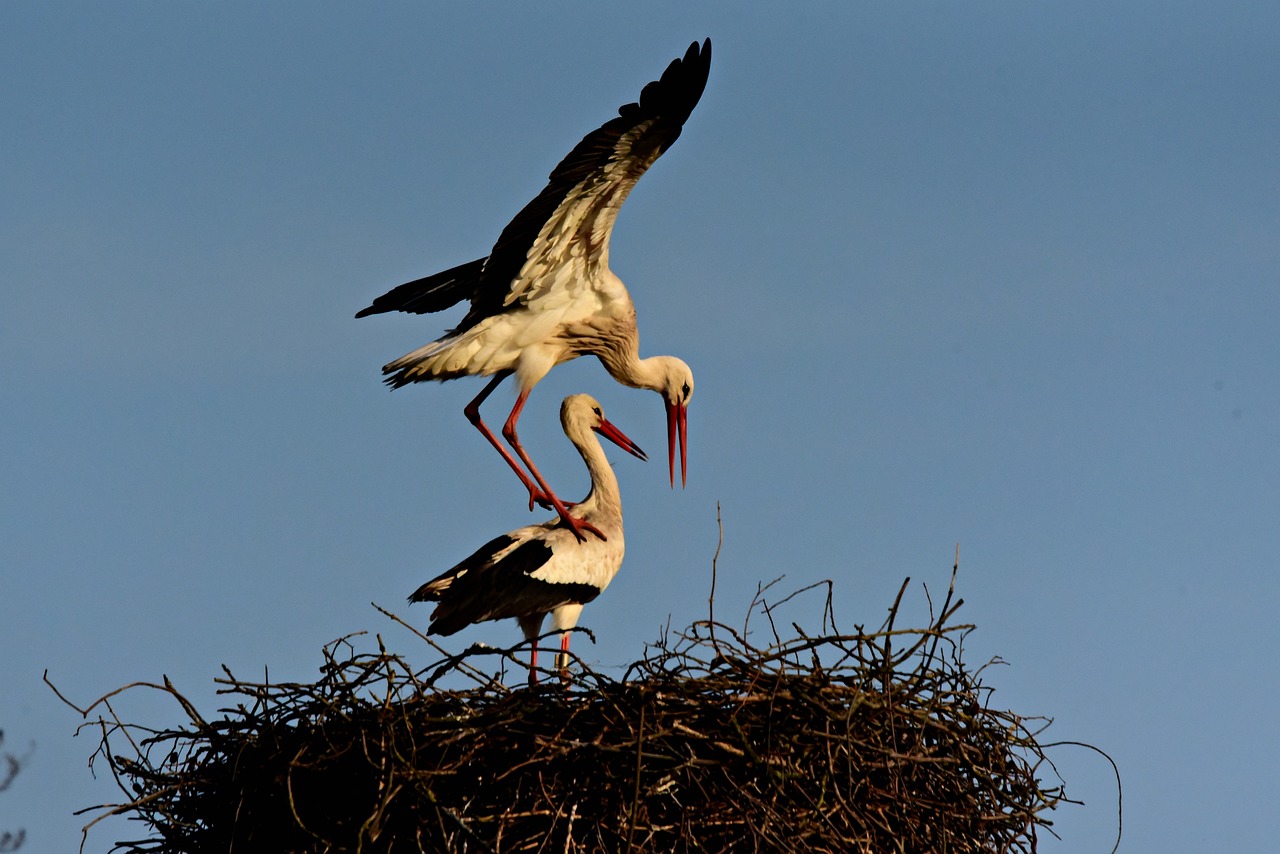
(996, 273)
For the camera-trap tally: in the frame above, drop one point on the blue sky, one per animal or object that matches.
(1002, 274)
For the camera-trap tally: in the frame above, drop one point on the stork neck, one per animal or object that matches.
(626, 366)
(604, 483)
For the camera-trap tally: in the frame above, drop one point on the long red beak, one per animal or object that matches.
(677, 422)
(613, 434)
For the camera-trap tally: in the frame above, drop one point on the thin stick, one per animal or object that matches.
(711, 598)
(1119, 788)
(635, 794)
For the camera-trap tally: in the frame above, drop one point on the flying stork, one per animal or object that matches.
(545, 293)
(542, 569)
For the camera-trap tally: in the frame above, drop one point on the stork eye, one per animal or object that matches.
(597, 411)
(685, 391)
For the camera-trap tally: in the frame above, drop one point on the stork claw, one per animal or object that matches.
(545, 501)
(576, 525)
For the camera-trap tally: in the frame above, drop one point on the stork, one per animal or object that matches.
(542, 569)
(545, 293)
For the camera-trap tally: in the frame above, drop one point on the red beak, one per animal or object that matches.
(613, 434)
(677, 422)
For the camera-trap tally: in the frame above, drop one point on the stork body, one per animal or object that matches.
(542, 569)
(545, 293)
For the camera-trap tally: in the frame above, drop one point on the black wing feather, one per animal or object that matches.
(484, 590)
(479, 560)
(431, 293)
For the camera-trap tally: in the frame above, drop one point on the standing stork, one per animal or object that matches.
(542, 569)
(545, 293)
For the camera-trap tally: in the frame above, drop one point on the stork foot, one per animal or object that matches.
(546, 501)
(578, 525)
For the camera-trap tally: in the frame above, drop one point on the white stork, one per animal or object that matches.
(542, 569)
(545, 293)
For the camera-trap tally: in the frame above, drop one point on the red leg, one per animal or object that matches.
(533, 663)
(472, 411)
(509, 432)
(562, 660)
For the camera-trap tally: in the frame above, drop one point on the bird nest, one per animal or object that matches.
(870, 741)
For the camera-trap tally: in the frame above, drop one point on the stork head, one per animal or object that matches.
(676, 391)
(581, 412)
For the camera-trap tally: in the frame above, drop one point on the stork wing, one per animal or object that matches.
(497, 581)
(485, 585)
(431, 293)
(574, 214)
